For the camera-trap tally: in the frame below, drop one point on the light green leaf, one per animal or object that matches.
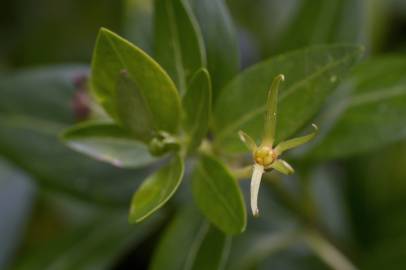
(156, 190)
(113, 54)
(310, 76)
(220, 39)
(132, 109)
(197, 106)
(198, 245)
(108, 142)
(217, 194)
(371, 116)
(179, 46)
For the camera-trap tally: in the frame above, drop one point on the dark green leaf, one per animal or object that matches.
(37, 109)
(132, 109)
(310, 76)
(94, 238)
(18, 191)
(179, 46)
(371, 116)
(198, 245)
(217, 194)
(108, 142)
(42, 92)
(197, 106)
(156, 190)
(332, 22)
(114, 54)
(220, 39)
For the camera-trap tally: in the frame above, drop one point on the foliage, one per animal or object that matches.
(154, 126)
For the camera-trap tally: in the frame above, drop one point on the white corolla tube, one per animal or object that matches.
(255, 182)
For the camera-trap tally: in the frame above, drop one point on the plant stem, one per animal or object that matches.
(326, 251)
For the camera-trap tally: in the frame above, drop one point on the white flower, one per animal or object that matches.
(266, 156)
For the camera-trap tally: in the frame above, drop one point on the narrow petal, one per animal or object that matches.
(289, 144)
(255, 182)
(270, 117)
(282, 166)
(248, 141)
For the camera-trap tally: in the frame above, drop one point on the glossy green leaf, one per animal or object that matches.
(156, 190)
(38, 107)
(217, 194)
(109, 143)
(310, 76)
(179, 46)
(197, 107)
(113, 54)
(221, 41)
(371, 116)
(133, 111)
(198, 245)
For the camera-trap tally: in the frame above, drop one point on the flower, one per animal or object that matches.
(266, 156)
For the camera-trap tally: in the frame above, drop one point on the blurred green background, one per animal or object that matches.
(61, 210)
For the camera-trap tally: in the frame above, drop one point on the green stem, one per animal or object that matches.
(326, 251)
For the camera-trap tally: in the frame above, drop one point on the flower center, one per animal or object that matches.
(265, 156)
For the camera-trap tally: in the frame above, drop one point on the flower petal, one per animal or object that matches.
(270, 117)
(248, 141)
(255, 182)
(289, 144)
(282, 166)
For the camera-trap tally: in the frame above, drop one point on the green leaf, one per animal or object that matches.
(37, 109)
(156, 190)
(45, 93)
(198, 245)
(16, 189)
(371, 116)
(113, 54)
(109, 143)
(220, 39)
(197, 107)
(81, 237)
(132, 109)
(217, 194)
(179, 46)
(323, 25)
(310, 76)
